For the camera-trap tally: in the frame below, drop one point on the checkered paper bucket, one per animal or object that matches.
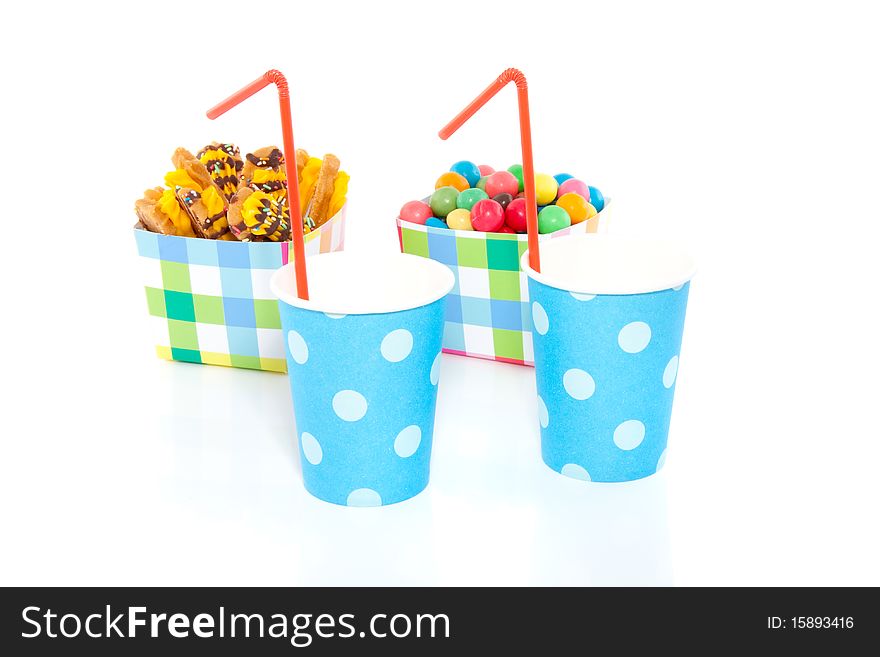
(487, 311)
(209, 300)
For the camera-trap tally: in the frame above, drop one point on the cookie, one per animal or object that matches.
(255, 216)
(319, 210)
(224, 164)
(207, 211)
(160, 212)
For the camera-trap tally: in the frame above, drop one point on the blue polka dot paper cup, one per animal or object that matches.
(363, 357)
(608, 316)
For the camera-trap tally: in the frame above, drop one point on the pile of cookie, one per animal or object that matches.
(216, 194)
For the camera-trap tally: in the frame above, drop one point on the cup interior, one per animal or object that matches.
(351, 283)
(607, 264)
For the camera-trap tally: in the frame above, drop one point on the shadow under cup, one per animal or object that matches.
(363, 359)
(608, 316)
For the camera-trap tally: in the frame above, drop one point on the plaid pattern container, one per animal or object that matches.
(209, 300)
(487, 312)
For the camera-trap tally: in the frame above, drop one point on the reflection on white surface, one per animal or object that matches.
(606, 534)
(225, 466)
(199, 483)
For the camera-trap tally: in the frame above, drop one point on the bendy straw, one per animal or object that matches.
(276, 77)
(525, 131)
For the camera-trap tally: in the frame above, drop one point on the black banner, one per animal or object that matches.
(431, 621)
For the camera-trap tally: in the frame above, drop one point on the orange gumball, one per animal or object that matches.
(452, 179)
(577, 207)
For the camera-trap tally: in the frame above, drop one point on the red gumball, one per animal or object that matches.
(505, 229)
(515, 216)
(501, 182)
(487, 215)
(416, 211)
(486, 170)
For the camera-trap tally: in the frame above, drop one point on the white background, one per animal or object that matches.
(750, 131)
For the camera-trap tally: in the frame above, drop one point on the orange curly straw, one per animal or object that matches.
(276, 77)
(525, 133)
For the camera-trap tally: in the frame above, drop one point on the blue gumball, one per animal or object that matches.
(596, 199)
(469, 170)
(562, 177)
(434, 222)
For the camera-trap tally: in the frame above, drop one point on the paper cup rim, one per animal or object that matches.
(406, 281)
(573, 276)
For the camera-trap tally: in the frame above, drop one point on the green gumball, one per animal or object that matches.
(481, 183)
(553, 218)
(443, 201)
(469, 197)
(516, 170)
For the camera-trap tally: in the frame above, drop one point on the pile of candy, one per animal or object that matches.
(472, 197)
(217, 194)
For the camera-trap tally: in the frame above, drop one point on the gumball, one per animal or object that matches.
(521, 195)
(576, 186)
(552, 218)
(452, 179)
(517, 170)
(481, 183)
(486, 170)
(469, 170)
(545, 188)
(515, 215)
(487, 215)
(468, 197)
(575, 205)
(459, 219)
(418, 212)
(501, 182)
(597, 199)
(443, 201)
(434, 222)
(591, 211)
(505, 229)
(562, 177)
(503, 199)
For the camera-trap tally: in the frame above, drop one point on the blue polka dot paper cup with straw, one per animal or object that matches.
(608, 316)
(363, 357)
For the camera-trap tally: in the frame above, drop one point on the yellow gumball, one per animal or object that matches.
(575, 205)
(459, 219)
(545, 188)
(591, 211)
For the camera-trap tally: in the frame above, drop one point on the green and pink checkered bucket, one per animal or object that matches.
(487, 312)
(209, 300)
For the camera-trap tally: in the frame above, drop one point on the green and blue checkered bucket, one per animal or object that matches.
(209, 300)
(487, 312)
